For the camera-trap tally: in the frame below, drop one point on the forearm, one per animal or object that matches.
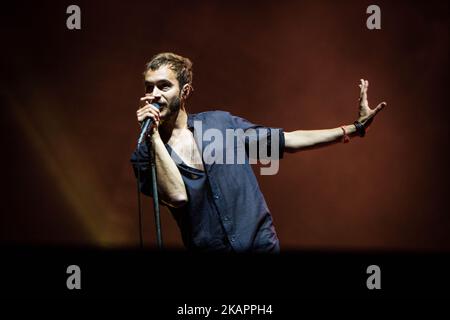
(169, 181)
(307, 139)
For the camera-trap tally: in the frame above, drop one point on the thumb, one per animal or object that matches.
(380, 107)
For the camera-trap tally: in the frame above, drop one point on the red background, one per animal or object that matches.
(68, 122)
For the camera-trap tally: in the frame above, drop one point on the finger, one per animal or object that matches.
(152, 111)
(148, 107)
(148, 99)
(141, 117)
(380, 107)
(363, 84)
(153, 107)
(146, 115)
(149, 103)
(364, 90)
(143, 110)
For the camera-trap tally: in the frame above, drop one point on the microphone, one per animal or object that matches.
(147, 124)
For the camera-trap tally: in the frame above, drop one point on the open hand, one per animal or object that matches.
(366, 115)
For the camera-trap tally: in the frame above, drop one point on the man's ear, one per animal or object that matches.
(186, 91)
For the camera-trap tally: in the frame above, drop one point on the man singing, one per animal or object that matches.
(214, 197)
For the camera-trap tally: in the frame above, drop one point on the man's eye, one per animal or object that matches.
(165, 87)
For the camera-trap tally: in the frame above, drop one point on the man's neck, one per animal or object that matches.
(174, 125)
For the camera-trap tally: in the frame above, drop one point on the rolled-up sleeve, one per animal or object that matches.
(262, 136)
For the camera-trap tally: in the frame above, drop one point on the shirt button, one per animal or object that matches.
(216, 196)
(232, 239)
(226, 218)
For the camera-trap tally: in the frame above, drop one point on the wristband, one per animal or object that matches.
(360, 128)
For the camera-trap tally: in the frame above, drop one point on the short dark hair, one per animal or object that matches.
(180, 65)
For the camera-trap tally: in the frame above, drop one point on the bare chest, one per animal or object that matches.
(186, 148)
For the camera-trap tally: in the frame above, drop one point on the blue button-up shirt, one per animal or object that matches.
(226, 210)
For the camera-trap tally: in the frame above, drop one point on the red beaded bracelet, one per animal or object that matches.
(346, 138)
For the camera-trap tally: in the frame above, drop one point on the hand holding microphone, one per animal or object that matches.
(148, 116)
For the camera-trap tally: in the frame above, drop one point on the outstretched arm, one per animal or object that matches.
(309, 139)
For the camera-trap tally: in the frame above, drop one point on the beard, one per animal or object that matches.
(174, 106)
(171, 111)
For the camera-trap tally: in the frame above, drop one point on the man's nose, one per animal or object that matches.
(156, 93)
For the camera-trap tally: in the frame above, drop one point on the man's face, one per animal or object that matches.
(162, 86)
